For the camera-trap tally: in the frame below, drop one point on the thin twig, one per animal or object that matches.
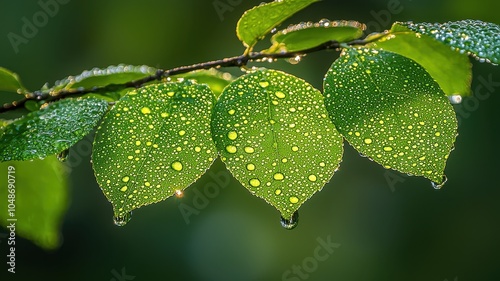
(237, 61)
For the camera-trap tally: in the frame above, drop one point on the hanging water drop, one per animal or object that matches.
(291, 223)
(63, 155)
(440, 185)
(455, 99)
(122, 221)
(295, 60)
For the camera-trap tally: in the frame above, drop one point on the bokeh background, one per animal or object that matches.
(403, 231)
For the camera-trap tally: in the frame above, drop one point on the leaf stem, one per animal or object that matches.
(237, 61)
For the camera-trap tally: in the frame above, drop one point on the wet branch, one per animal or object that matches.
(237, 61)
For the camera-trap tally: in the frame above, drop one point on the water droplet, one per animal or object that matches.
(63, 155)
(177, 166)
(125, 179)
(295, 148)
(291, 223)
(254, 182)
(231, 112)
(280, 95)
(439, 185)
(277, 191)
(295, 60)
(294, 200)
(179, 193)
(278, 176)
(249, 150)
(456, 99)
(145, 110)
(232, 135)
(368, 141)
(264, 84)
(312, 178)
(231, 149)
(250, 167)
(182, 133)
(122, 221)
(388, 148)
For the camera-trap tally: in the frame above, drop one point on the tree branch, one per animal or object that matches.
(237, 61)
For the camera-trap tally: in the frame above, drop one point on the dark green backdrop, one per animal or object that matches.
(407, 231)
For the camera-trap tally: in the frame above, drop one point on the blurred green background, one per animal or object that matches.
(406, 231)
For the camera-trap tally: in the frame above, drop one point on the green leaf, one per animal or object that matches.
(153, 143)
(102, 77)
(260, 20)
(308, 35)
(273, 133)
(50, 130)
(391, 110)
(214, 79)
(451, 70)
(10, 82)
(41, 198)
(480, 39)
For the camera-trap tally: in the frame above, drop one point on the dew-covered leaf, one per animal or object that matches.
(98, 77)
(10, 82)
(308, 35)
(480, 39)
(260, 20)
(214, 79)
(154, 142)
(274, 135)
(50, 130)
(391, 110)
(451, 69)
(41, 198)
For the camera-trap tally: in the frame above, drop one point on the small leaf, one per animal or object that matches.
(451, 70)
(273, 133)
(480, 39)
(214, 79)
(50, 130)
(102, 77)
(153, 143)
(308, 35)
(41, 198)
(260, 20)
(391, 110)
(10, 82)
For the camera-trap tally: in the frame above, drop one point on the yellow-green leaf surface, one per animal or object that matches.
(308, 35)
(451, 69)
(153, 143)
(214, 79)
(274, 135)
(480, 39)
(41, 198)
(50, 130)
(259, 21)
(391, 110)
(10, 82)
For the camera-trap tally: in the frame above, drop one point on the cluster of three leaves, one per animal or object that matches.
(273, 131)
